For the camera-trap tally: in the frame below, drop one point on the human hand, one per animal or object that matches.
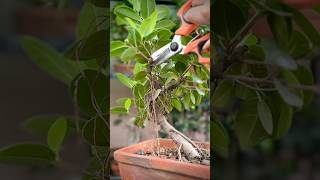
(199, 14)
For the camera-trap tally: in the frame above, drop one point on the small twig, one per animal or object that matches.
(239, 36)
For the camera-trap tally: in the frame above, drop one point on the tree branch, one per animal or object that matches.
(315, 88)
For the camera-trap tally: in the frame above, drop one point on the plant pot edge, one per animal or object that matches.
(127, 156)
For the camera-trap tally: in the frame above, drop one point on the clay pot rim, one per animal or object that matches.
(126, 156)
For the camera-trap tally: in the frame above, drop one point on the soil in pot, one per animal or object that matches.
(174, 153)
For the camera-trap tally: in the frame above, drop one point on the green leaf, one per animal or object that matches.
(200, 91)
(286, 95)
(192, 98)
(223, 94)
(177, 104)
(125, 80)
(281, 28)
(96, 132)
(163, 12)
(117, 48)
(276, 55)
(247, 126)
(138, 67)
(27, 154)
(147, 8)
(129, 54)
(284, 121)
(222, 13)
(125, 11)
(127, 104)
(86, 19)
(220, 138)
(148, 25)
(164, 34)
(305, 25)
(41, 124)
(100, 3)
(256, 52)
(140, 76)
(90, 89)
(49, 60)
(119, 110)
(265, 116)
(299, 45)
(94, 46)
(305, 77)
(250, 40)
(165, 24)
(136, 4)
(56, 134)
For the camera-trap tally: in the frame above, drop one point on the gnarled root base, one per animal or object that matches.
(190, 149)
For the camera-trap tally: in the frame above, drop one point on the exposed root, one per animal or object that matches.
(179, 152)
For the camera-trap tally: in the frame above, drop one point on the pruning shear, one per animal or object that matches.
(176, 46)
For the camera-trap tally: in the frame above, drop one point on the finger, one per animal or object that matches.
(198, 2)
(198, 15)
(206, 46)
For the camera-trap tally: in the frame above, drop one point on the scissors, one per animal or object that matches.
(175, 46)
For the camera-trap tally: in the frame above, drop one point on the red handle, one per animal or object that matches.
(186, 28)
(196, 47)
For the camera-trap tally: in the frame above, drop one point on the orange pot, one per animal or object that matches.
(139, 167)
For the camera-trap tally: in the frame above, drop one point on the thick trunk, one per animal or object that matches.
(188, 147)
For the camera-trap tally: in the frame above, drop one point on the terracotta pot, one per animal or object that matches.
(45, 21)
(139, 167)
(124, 68)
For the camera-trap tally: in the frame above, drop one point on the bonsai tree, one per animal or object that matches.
(179, 83)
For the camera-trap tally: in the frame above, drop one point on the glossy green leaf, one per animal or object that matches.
(177, 104)
(299, 45)
(284, 120)
(165, 24)
(247, 126)
(129, 54)
(125, 80)
(117, 48)
(119, 110)
(49, 60)
(56, 134)
(281, 28)
(286, 95)
(94, 46)
(192, 98)
(27, 154)
(86, 19)
(305, 77)
(306, 26)
(142, 75)
(222, 13)
(90, 89)
(147, 8)
(220, 138)
(125, 11)
(136, 4)
(163, 12)
(96, 132)
(148, 25)
(265, 116)
(223, 94)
